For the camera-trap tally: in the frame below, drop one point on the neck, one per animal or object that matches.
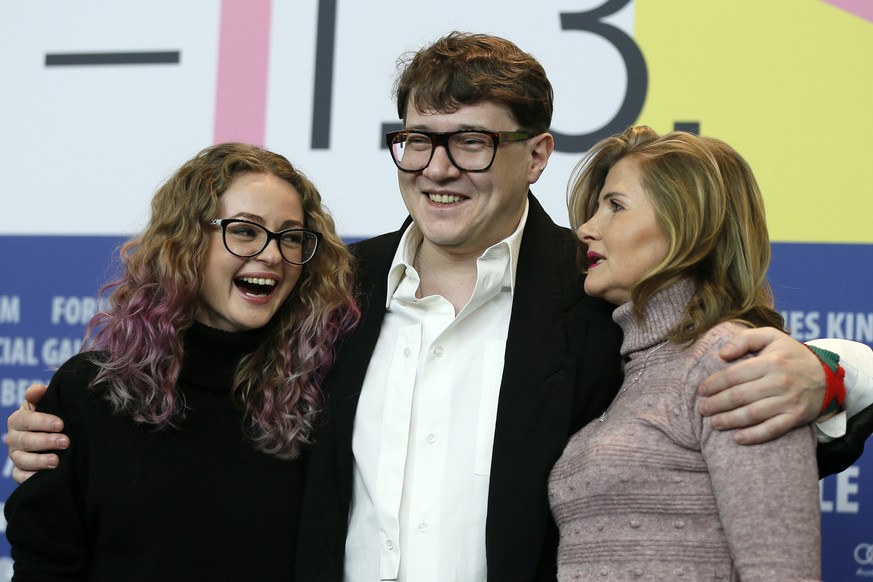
(444, 273)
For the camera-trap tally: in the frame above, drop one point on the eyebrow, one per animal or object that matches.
(260, 220)
(463, 127)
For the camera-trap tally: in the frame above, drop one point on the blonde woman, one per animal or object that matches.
(674, 234)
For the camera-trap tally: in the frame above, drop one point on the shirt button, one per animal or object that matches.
(438, 352)
(431, 438)
(422, 527)
(389, 544)
(406, 352)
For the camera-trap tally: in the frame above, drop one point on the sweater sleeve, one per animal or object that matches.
(767, 494)
(45, 527)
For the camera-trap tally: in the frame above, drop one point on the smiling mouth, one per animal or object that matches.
(443, 198)
(255, 286)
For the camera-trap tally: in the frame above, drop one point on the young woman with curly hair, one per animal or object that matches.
(198, 387)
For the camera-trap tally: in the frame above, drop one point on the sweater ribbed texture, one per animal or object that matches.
(654, 493)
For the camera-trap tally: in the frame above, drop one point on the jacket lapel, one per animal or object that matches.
(374, 258)
(536, 400)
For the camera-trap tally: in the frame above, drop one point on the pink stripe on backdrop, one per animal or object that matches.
(243, 59)
(861, 8)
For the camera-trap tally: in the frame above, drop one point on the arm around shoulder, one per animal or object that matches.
(31, 435)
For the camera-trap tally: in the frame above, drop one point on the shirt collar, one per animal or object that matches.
(412, 238)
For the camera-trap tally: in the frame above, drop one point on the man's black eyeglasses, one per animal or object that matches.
(468, 150)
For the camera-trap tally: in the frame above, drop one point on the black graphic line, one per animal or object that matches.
(131, 58)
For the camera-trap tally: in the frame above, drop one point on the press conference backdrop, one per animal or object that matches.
(102, 100)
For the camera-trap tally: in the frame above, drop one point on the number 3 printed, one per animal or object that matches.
(637, 74)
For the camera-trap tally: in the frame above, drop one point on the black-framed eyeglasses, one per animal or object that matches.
(246, 239)
(468, 150)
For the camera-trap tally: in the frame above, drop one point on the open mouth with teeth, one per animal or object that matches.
(444, 198)
(255, 286)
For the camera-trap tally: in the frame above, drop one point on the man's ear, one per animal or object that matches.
(542, 147)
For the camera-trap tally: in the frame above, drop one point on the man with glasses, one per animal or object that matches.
(478, 354)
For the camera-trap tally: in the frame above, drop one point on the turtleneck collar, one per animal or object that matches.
(662, 314)
(211, 355)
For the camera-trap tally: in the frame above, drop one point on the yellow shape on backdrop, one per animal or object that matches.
(789, 83)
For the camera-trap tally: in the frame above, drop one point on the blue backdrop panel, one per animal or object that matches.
(47, 294)
(825, 290)
(49, 288)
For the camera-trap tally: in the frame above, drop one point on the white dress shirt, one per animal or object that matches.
(424, 426)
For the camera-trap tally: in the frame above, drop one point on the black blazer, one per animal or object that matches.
(562, 369)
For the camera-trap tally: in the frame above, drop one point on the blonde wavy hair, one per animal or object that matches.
(155, 301)
(709, 206)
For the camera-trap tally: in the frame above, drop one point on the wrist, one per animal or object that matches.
(835, 387)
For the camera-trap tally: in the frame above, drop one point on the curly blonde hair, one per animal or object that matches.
(155, 301)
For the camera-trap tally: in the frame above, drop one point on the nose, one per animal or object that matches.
(271, 254)
(441, 166)
(588, 231)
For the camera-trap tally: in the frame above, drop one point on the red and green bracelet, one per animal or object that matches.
(835, 387)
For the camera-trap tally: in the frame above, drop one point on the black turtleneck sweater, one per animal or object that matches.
(135, 504)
